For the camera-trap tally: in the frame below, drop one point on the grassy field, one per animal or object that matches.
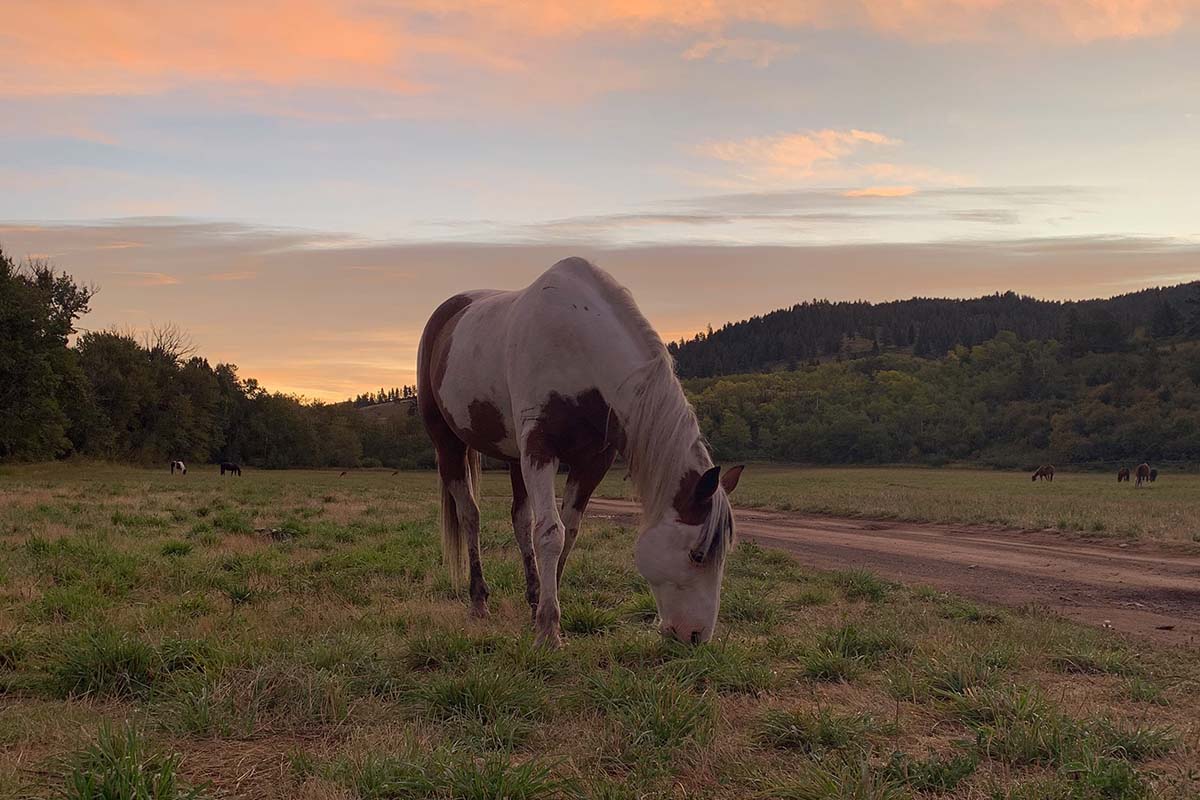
(290, 635)
(1092, 503)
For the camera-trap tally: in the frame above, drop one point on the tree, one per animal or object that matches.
(1166, 321)
(38, 373)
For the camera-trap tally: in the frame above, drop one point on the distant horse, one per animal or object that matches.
(1153, 475)
(1123, 475)
(343, 474)
(178, 465)
(568, 371)
(231, 468)
(1045, 472)
(1143, 474)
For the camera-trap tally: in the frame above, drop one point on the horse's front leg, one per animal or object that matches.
(548, 539)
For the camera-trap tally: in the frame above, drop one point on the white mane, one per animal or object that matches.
(662, 435)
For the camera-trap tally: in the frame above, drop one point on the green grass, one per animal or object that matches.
(292, 635)
(121, 764)
(1090, 503)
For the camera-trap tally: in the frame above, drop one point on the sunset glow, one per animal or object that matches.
(297, 184)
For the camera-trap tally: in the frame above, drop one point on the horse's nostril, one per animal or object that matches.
(695, 637)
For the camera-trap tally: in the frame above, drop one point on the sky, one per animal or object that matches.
(298, 183)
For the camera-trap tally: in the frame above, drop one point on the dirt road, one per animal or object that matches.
(1136, 588)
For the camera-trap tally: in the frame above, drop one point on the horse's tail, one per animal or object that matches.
(454, 546)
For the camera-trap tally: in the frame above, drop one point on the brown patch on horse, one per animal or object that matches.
(1143, 473)
(487, 423)
(691, 503)
(1123, 474)
(573, 429)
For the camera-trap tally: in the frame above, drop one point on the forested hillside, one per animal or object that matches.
(822, 330)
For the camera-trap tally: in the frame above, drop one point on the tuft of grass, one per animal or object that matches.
(809, 597)
(231, 520)
(1095, 661)
(749, 606)
(120, 764)
(827, 666)
(863, 642)
(847, 780)
(641, 608)
(813, 733)
(933, 775)
(652, 712)
(104, 662)
(480, 694)
(176, 548)
(725, 667)
(955, 608)
(860, 584)
(1141, 690)
(442, 774)
(585, 619)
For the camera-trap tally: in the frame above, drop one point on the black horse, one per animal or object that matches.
(230, 467)
(1153, 475)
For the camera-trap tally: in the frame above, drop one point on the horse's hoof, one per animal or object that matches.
(550, 640)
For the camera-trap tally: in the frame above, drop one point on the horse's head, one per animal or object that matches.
(682, 554)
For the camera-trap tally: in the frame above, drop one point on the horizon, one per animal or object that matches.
(299, 203)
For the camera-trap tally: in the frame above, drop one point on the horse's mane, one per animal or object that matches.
(662, 435)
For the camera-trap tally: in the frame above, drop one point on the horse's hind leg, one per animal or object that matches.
(454, 468)
(522, 520)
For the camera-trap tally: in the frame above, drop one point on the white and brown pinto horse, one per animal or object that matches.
(568, 371)
(180, 466)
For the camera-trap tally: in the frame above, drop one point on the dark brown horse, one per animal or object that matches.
(231, 468)
(1153, 475)
(1143, 474)
(1045, 472)
(1123, 475)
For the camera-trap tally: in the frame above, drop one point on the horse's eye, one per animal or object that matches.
(696, 556)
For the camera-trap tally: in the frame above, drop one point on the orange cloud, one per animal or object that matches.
(134, 46)
(795, 154)
(141, 46)
(760, 52)
(231, 276)
(882, 191)
(150, 278)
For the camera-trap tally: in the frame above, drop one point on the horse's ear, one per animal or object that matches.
(706, 487)
(730, 479)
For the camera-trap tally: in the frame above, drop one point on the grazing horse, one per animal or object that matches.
(231, 468)
(178, 465)
(1153, 475)
(1143, 474)
(1045, 472)
(1123, 475)
(568, 371)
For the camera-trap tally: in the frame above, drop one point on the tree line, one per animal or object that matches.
(112, 395)
(1020, 381)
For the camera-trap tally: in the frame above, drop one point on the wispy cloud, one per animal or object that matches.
(231, 276)
(760, 52)
(149, 278)
(882, 191)
(793, 155)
